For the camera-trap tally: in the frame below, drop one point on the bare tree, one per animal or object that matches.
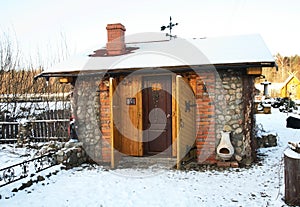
(17, 85)
(286, 66)
(9, 53)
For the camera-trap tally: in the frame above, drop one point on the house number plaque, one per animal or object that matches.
(130, 101)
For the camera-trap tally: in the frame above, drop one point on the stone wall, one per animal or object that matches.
(234, 111)
(86, 110)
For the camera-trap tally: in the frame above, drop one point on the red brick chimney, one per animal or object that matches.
(115, 39)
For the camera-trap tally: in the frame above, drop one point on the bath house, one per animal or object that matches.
(146, 95)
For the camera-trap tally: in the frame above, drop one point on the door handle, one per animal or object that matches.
(168, 116)
(181, 123)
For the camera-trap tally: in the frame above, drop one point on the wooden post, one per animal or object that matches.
(111, 93)
(292, 177)
(178, 77)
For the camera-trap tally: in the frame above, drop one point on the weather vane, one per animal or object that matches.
(170, 26)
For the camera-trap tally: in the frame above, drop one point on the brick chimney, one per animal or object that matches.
(115, 39)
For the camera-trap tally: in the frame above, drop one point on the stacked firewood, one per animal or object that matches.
(294, 146)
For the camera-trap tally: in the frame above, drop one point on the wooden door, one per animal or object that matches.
(186, 125)
(130, 119)
(157, 111)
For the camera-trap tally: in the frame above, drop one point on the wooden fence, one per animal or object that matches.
(8, 132)
(51, 125)
(37, 130)
(45, 130)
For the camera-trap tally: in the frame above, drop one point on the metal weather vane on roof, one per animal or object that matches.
(170, 26)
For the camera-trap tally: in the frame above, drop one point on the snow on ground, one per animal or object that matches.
(9, 155)
(260, 185)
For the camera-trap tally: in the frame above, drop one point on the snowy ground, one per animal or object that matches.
(10, 155)
(260, 185)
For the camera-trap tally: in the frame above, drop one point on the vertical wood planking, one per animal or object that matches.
(130, 116)
(174, 117)
(37, 130)
(10, 129)
(6, 131)
(186, 129)
(117, 117)
(139, 124)
(52, 126)
(41, 130)
(2, 136)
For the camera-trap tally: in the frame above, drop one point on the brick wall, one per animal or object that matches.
(205, 117)
(105, 122)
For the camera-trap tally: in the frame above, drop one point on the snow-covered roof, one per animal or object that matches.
(175, 52)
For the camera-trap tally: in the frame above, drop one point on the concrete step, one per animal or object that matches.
(147, 162)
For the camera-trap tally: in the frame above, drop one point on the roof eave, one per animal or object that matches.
(171, 68)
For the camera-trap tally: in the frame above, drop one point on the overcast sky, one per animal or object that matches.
(38, 23)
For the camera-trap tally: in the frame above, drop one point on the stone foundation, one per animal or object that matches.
(71, 155)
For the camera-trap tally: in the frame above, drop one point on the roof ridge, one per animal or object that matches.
(147, 41)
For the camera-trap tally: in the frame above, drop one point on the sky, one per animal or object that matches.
(39, 24)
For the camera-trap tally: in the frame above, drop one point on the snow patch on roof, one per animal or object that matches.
(176, 52)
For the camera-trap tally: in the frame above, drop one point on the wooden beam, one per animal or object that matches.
(254, 71)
